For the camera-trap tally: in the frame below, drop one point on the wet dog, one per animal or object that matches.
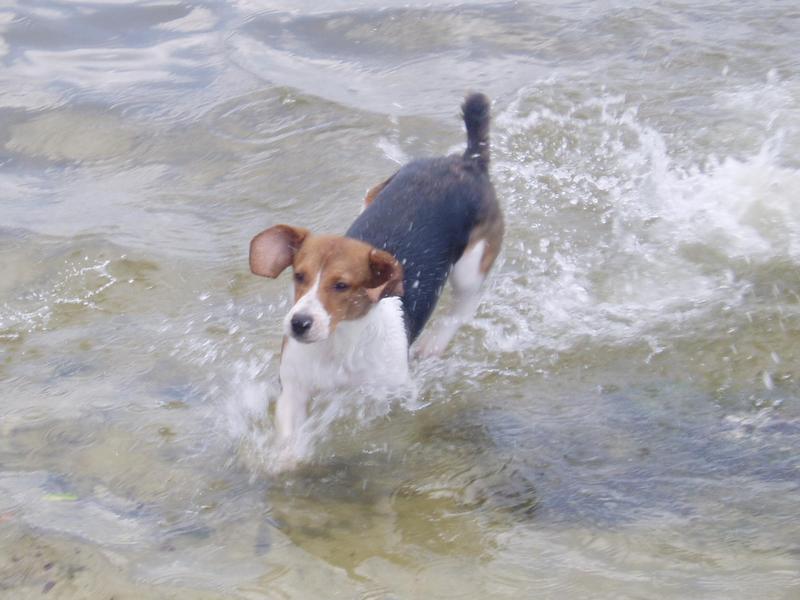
(362, 299)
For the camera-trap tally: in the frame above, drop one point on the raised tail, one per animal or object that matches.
(475, 111)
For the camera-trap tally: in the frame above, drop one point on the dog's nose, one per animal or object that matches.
(301, 324)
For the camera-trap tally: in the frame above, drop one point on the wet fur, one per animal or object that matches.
(362, 299)
(426, 213)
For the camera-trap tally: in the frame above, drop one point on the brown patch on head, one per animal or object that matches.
(351, 275)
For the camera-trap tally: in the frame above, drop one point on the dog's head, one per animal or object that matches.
(335, 278)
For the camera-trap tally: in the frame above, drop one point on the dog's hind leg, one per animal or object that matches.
(466, 280)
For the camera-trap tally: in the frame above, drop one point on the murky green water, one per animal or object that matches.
(621, 419)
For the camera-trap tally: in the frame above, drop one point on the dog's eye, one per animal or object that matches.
(299, 277)
(340, 286)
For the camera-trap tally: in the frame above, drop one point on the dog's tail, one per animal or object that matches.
(475, 111)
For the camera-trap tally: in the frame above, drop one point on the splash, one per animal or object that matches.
(255, 390)
(618, 238)
(615, 240)
(75, 288)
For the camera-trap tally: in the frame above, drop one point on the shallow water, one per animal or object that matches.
(620, 420)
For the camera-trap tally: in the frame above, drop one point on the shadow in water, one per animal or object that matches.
(444, 490)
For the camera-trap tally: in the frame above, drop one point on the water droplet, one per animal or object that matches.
(767, 379)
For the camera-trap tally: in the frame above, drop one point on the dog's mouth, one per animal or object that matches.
(303, 338)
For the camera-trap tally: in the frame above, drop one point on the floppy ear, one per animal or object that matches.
(387, 275)
(272, 250)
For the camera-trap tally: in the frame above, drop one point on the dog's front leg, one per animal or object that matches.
(291, 410)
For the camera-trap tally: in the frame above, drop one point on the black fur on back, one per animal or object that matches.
(426, 212)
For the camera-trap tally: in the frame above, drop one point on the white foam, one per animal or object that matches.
(252, 388)
(635, 240)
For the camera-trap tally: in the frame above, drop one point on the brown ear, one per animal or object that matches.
(272, 250)
(387, 275)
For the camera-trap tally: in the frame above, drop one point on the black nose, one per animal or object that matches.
(301, 324)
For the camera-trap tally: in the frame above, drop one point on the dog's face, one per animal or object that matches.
(335, 278)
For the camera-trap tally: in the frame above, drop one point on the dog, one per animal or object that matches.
(362, 299)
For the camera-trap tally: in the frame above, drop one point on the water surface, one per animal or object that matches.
(620, 420)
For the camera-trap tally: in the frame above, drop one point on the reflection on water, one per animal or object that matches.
(620, 419)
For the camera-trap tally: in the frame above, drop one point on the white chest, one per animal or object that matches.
(370, 351)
